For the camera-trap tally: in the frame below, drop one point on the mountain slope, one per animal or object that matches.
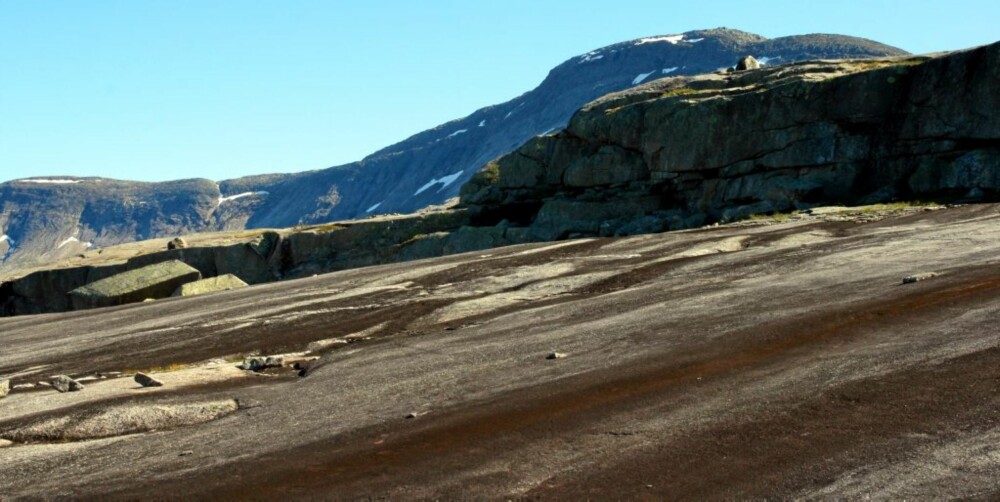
(41, 220)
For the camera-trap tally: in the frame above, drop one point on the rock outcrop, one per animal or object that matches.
(682, 152)
(211, 285)
(155, 281)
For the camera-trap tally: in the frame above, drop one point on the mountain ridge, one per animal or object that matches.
(425, 169)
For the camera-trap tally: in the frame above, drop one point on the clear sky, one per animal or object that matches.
(156, 90)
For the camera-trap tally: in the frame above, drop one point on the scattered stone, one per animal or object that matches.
(147, 381)
(748, 63)
(5, 443)
(261, 363)
(63, 383)
(186, 453)
(44, 384)
(23, 386)
(910, 279)
(178, 243)
(555, 355)
(4, 388)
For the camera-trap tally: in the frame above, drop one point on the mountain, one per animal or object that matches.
(45, 219)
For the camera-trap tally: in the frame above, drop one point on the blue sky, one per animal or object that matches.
(155, 90)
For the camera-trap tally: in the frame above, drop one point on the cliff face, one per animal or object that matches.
(427, 168)
(682, 152)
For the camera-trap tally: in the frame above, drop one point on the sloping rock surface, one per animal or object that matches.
(739, 362)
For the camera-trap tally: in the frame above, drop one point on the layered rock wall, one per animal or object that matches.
(681, 152)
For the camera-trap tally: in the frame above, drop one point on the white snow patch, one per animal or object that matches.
(642, 76)
(444, 181)
(505, 117)
(6, 238)
(673, 39)
(591, 56)
(373, 207)
(240, 196)
(766, 60)
(51, 181)
(456, 133)
(670, 70)
(694, 40)
(67, 241)
(482, 123)
(548, 131)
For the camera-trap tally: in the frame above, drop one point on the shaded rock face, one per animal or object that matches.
(427, 168)
(722, 146)
(154, 281)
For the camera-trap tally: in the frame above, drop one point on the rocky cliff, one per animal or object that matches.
(55, 218)
(681, 152)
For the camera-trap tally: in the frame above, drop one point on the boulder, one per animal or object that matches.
(154, 281)
(177, 243)
(63, 383)
(147, 381)
(748, 63)
(210, 285)
(4, 388)
(261, 363)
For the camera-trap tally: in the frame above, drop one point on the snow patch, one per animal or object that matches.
(548, 131)
(669, 70)
(373, 207)
(766, 60)
(642, 76)
(444, 181)
(672, 39)
(456, 133)
(240, 196)
(67, 241)
(482, 123)
(694, 40)
(505, 117)
(6, 238)
(51, 181)
(591, 56)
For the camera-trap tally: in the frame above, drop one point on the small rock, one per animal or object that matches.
(5, 443)
(147, 381)
(910, 279)
(185, 453)
(748, 63)
(177, 243)
(63, 383)
(4, 388)
(555, 355)
(23, 386)
(411, 415)
(44, 384)
(261, 363)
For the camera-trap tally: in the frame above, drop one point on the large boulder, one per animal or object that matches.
(210, 285)
(156, 281)
(4, 388)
